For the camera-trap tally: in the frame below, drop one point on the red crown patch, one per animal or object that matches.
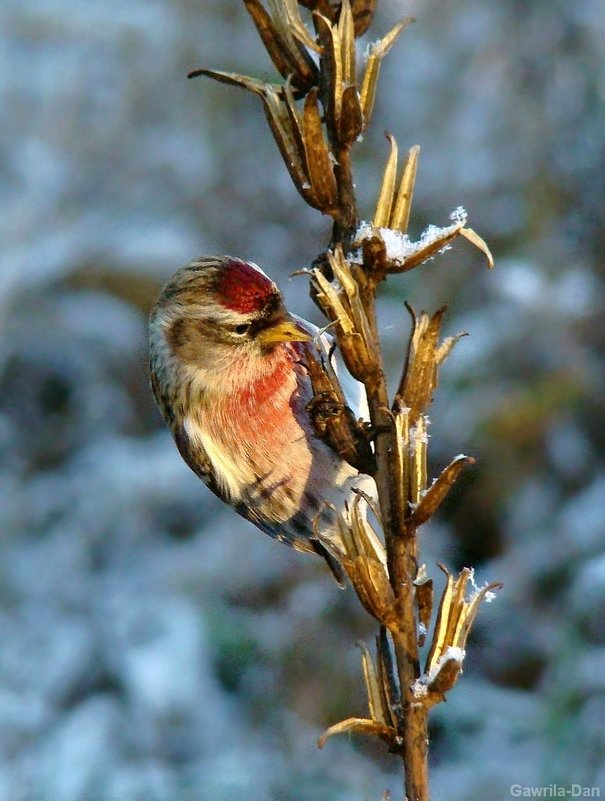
(243, 288)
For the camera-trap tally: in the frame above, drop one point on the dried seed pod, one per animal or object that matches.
(362, 726)
(400, 215)
(456, 615)
(478, 242)
(437, 492)
(336, 307)
(285, 124)
(391, 696)
(333, 420)
(321, 172)
(425, 595)
(286, 52)
(346, 36)
(418, 461)
(370, 79)
(363, 13)
(351, 119)
(425, 355)
(295, 24)
(382, 215)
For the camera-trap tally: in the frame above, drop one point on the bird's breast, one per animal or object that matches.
(258, 438)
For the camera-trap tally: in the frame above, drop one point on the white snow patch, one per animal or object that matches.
(400, 247)
(488, 597)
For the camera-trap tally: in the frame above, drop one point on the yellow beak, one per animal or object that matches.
(285, 331)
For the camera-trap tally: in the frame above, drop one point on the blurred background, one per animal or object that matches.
(153, 645)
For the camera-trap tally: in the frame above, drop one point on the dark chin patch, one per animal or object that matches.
(244, 289)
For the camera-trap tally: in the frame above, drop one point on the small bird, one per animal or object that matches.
(227, 371)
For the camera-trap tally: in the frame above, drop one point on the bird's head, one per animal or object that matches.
(218, 314)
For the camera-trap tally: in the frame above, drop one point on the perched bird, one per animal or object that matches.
(228, 374)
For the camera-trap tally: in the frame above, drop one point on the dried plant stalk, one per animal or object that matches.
(318, 63)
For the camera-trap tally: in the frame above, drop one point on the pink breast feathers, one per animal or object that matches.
(244, 288)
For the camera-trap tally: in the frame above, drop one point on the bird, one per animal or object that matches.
(227, 368)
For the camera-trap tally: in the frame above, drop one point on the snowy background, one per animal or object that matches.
(153, 646)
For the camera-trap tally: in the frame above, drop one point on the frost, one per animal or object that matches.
(400, 247)
(419, 688)
(416, 435)
(453, 652)
(488, 597)
(370, 47)
(459, 216)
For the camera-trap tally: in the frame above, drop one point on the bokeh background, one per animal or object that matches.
(154, 646)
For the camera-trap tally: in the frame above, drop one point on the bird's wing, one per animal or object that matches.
(195, 457)
(354, 391)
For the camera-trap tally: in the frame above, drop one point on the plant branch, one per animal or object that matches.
(315, 142)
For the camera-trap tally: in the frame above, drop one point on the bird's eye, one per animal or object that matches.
(241, 329)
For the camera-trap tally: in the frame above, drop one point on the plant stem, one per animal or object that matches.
(401, 547)
(347, 221)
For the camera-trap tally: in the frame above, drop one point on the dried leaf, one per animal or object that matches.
(471, 608)
(400, 437)
(296, 126)
(298, 27)
(383, 46)
(351, 118)
(322, 6)
(479, 242)
(372, 505)
(304, 68)
(321, 173)
(372, 686)
(275, 43)
(418, 472)
(277, 102)
(342, 271)
(382, 214)
(435, 495)
(332, 64)
(363, 13)
(362, 726)
(437, 644)
(364, 541)
(278, 117)
(367, 94)
(331, 303)
(419, 378)
(233, 79)
(346, 32)
(389, 689)
(372, 586)
(370, 78)
(456, 615)
(424, 601)
(446, 347)
(401, 213)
